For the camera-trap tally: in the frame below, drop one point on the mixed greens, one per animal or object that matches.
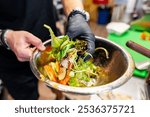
(64, 62)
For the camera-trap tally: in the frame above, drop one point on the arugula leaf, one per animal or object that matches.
(56, 42)
(64, 51)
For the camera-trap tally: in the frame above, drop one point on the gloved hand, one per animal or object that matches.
(77, 27)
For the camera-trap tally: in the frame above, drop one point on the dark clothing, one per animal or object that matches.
(28, 15)
(21, 84)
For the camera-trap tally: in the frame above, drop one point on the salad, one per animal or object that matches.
(64, 62)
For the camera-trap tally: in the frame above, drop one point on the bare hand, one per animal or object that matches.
(20, 42)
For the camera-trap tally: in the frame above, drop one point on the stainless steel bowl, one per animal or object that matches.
(120, 68)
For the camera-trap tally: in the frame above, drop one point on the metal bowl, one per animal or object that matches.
(119, 66)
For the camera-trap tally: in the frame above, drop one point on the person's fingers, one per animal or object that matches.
(24, 54)
(35, 41)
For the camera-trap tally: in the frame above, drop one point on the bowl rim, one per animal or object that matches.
(88, 90)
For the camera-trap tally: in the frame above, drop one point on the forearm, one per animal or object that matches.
(69, 5)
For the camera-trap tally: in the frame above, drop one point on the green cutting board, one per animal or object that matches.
(134, 36)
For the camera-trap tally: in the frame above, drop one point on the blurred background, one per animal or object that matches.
(103, 12)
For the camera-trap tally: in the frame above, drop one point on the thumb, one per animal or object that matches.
(35, 41)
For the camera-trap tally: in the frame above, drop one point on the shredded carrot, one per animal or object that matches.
(50, 73)
(57, 66)
(67, 77)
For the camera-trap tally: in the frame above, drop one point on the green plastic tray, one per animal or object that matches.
(134, 36)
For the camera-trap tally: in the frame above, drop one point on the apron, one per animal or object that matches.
(28, 15)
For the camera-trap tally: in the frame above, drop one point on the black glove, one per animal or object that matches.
(77, 27)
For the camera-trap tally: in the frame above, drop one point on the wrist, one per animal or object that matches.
(3, 38)
(81, 12)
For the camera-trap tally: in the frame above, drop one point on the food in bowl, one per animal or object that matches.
(65, 62)
(118, 68)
